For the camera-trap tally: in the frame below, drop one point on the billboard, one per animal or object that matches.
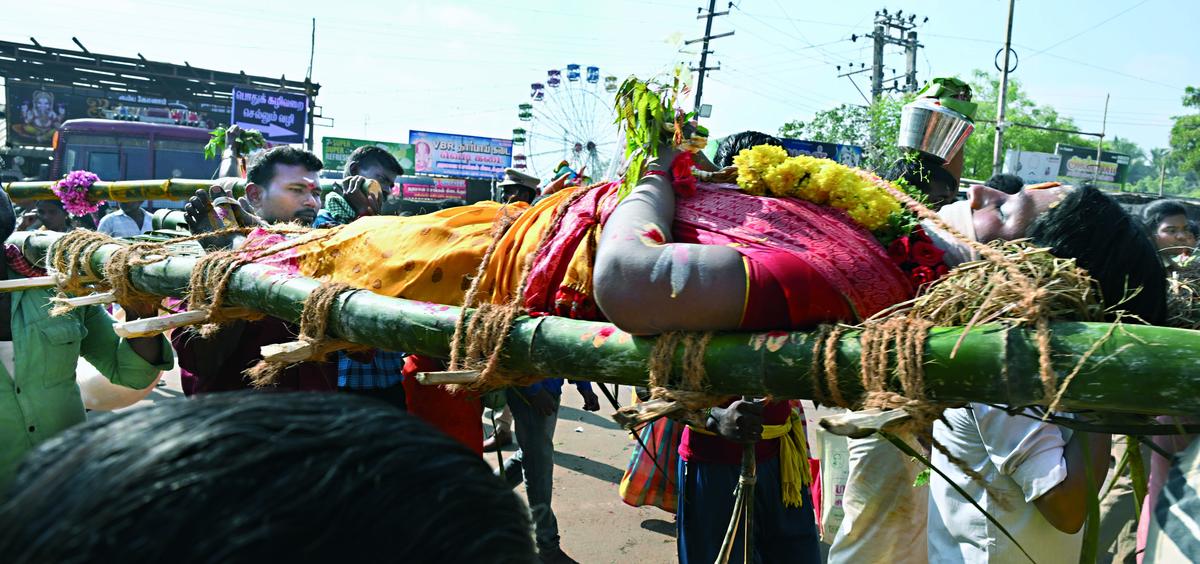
(1033, 167)
(429, 189)
(335, 151)
(1079, 165)
(849, 155)
(460, 156)
(36, 111)
(280, 116)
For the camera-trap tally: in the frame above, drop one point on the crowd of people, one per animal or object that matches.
(308, 476)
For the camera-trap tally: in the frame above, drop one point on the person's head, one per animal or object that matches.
(1084, 224)
(8, 216)
(1007, 183)
(928, 174)
(374, 163)
(732, 145)
(1167, 223)
(53, 215)
(131, 207)
(260, 477)
(283, 185)
(518, 186)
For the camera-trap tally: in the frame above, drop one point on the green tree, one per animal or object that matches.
(1185, 134)
(1020, 108)
(874, 127)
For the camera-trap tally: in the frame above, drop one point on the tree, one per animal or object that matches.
(874, 127)
(1019, 109)
(1185, 134)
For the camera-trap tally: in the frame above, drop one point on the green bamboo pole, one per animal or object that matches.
(177, 189)
(1156, 371)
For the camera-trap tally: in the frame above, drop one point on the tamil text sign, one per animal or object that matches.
(460, 156)
(1079, 165)
(36, 111)
(429, 189)
(279, 116)
(335, 151)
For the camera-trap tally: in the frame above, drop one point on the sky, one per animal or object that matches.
(463, 66)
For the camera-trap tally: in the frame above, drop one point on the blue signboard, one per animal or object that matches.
(849, 155)
(460, 156)
(279, 116)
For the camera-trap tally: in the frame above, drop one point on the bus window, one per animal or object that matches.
(105, 165)
(136, 153)
(181, 159)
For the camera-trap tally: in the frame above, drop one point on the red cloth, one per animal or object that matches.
(698, 447)
(455, 415)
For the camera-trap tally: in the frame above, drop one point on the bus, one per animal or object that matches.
(125, 150)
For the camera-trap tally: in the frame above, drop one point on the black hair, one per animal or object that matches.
(1007, 183)
(732, 145)
(920, 170)
(1155, 212)
(1194, 229)
(249, 477)
(368, 155)
(419, 207)
(262, 167)
(1092, 228)
(8, 217)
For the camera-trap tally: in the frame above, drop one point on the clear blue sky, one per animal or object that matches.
(463, 66)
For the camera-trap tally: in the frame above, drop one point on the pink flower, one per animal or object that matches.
(73, 191)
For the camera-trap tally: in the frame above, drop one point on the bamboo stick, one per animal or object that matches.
(177, 189)
(1157, 370)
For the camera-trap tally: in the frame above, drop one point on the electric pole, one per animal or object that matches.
(892, 29)
(1000, 110)
(704, 51)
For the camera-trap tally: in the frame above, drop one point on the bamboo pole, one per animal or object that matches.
(1155, 371)
(177, 189)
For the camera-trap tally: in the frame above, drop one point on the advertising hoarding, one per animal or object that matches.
(1033, 167)
(429, 189)
(1079, 165)
(335, 151)
(849, 155)
(36, 111)
(460, 156)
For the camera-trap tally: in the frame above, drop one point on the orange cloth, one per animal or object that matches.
(430, 257)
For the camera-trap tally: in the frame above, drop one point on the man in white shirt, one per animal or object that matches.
(131, 220)
(1036, 486)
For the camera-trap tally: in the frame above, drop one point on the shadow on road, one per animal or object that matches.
(597, 470)
(576, 414)
(659, 526)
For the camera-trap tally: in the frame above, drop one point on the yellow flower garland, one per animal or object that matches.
(767, 170)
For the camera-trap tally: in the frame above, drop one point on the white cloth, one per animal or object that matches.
(8, 358)
(885, 515)
(117, 224)
(1021, 458)
(959, 216)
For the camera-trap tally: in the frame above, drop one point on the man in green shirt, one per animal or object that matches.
(38, 354)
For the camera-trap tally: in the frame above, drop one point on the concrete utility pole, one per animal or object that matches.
(905, 36)
(704, 51)
(998, 148)
(1100, 145)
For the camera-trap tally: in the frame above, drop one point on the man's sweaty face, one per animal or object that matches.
(293, 195)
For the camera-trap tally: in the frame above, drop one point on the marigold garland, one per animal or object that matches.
(767, 170)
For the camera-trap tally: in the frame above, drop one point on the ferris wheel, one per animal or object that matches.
(569, 117)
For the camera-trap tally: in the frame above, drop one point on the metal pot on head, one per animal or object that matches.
(929, 127)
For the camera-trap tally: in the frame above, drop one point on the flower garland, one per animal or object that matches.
(767, 170)
(73, 191)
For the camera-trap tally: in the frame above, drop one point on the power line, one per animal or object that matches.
(1109, 19)
(704, 51)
